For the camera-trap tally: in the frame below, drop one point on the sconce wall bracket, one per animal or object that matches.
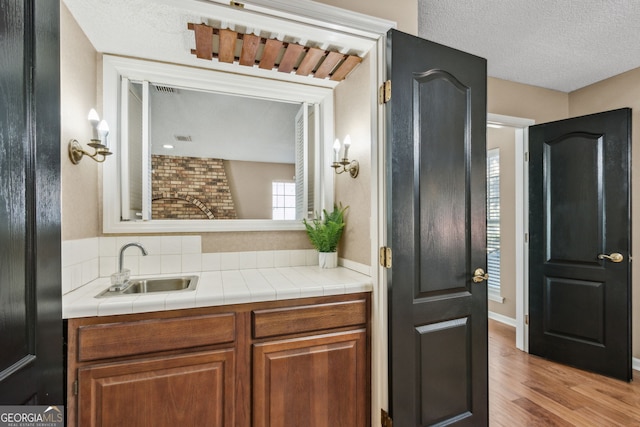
(353, 167)
(76, 152)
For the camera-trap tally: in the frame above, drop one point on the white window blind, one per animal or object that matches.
(493, 220)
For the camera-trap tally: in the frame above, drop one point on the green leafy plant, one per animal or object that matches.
(325, 232)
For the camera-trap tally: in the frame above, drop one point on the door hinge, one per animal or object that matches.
(236, 4)
(526, 156)
(385, 257)
(526, 237)
(75, 388)
(526, 319)
(386, 420)
(384, 95)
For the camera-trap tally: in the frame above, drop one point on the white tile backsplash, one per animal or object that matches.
(265, 259)
(229, 260)
(170, 264)
(123, 240)
(150, 264)
(191, 263)
(153, 244)
(282, 259)
(107, 246)
(247, 260)
(171, 245)
(297, 258)
(210, 262)
(90, 270)
(85, 260)
(108, 265)
(79, 263)
(191, 245)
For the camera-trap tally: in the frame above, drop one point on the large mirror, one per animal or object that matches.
(201, 150)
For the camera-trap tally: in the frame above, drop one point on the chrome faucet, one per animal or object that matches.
(120, 278)
(128, 245)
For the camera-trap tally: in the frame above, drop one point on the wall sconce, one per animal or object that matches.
(99, 141)
(344, 165)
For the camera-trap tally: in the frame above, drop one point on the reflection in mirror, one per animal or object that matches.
(214, 156)
(262, 142)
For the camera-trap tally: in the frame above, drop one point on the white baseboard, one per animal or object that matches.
(635, 364)
(502, 319)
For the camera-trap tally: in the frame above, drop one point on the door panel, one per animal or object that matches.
(580, 305)
(445, 360)
(441, 165)
(574, 208)
(436, 124)
(31, 361)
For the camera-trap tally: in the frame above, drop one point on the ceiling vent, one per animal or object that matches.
(271, 53)
(182, 138)
(165, 89)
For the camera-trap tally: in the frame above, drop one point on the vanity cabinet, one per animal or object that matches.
(316, 379)
(280, 363)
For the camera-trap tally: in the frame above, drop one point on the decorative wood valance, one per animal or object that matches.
(270, 53)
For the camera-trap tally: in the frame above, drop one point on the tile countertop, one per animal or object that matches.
(219, 288)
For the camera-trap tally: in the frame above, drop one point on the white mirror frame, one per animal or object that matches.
(188, 77)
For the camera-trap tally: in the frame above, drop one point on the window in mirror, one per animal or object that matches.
(284, 200)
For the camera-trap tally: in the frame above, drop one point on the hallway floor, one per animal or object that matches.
(526, 390)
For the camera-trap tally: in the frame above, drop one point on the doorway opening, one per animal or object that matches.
(510, 135)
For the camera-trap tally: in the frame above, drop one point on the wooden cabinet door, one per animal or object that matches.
(192, 390)
(318, 381)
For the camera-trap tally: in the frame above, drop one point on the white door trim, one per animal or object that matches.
(522, 221)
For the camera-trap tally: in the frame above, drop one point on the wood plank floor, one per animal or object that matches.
(526, 390)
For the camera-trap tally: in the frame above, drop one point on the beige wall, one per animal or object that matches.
(504, 140)
(353, 118)
(250, 185)
(530, 102)
(78, 87)
(618, 92)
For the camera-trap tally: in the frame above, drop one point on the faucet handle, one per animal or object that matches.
(119, 279)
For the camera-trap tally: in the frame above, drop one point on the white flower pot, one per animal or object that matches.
(328, 259)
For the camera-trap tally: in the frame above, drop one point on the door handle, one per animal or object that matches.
(614, 257)
(479, 275)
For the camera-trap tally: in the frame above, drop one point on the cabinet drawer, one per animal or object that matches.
(308, 318)
(147, 336)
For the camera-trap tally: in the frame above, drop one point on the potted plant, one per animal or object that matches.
(324, 234)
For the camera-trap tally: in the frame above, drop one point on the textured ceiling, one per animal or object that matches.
(557, 44)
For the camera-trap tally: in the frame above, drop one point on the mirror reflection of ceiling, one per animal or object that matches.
(222, 126)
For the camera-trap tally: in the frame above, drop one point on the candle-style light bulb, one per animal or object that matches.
(103, 132)
(347, 144)
(94, 118)
(336, 150)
